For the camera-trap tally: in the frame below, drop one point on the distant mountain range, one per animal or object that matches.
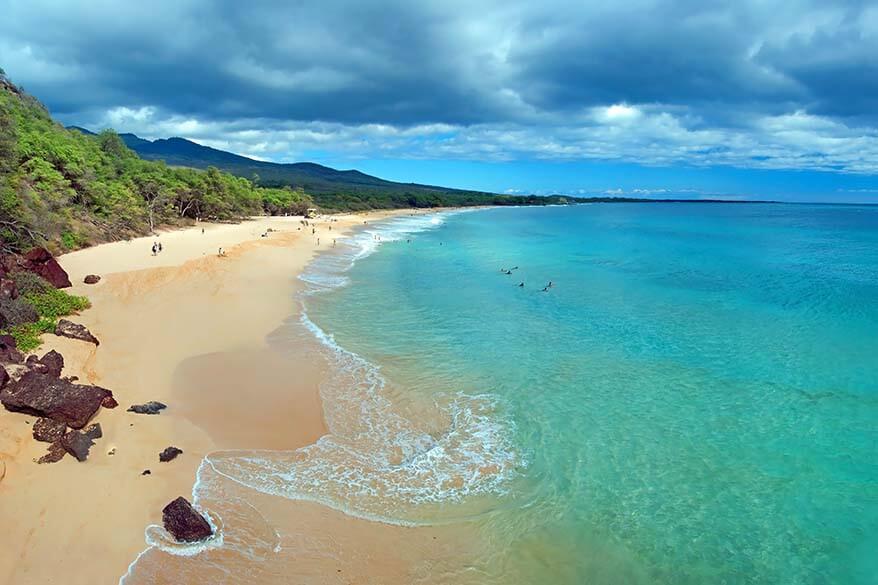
(315, 179)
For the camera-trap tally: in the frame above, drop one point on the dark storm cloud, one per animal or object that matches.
(329, 61)
(753, 83)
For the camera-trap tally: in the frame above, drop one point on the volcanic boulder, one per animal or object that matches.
(73, 330)
(4, 377)
(52, 363)
(8, 352)
(77, 444)
(169, 454)
(55, 398)
(91, 279)
(94, 431)
(48, 430)
(184, 522)
(151, 407)
(41, 262)
(55, 453)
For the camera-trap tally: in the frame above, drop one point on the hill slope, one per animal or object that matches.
(64, 189)
(330, 189)
(312, 177)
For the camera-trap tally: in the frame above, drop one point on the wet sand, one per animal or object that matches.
(187, 328)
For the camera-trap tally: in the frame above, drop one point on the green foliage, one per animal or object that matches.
(29, 283)
(55, 303)
(37, 309)
(285, 201)
(27, 335)
(63, 189)
(17, 311)
(69, 241)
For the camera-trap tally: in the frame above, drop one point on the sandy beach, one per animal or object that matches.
(187, 328)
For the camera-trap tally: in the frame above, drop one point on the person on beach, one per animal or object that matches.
(333, 242)
(155, 249)
(160, 246)
(202, 231)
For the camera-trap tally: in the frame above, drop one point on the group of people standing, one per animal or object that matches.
(156, 248)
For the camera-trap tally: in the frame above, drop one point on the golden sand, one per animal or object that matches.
(187, 328)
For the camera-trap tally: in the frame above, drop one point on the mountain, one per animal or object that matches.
(330, 189)
(312, 177)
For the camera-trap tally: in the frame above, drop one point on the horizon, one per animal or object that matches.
(658, 100)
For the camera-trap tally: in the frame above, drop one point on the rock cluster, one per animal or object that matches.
(184, 522)
(34, 386)
(92, 279)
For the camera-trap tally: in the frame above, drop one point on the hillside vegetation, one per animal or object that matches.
(64, 190)
(331, 189)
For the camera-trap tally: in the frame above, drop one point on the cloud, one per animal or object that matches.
(755, 84)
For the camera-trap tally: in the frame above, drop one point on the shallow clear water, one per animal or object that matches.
(695, 400)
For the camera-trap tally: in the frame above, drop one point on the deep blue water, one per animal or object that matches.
(695, 400)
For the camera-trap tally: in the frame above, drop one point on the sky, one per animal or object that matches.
(688, 98)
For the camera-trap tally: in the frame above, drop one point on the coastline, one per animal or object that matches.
(185, 321)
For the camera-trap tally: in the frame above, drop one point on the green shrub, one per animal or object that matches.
(30, 283)
(69, 241)
(27, 335)
(54, 303)
(17, 311)
(35, 313)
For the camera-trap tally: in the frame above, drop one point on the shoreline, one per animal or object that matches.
(165, 322)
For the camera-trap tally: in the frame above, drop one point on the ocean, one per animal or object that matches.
(693, 400)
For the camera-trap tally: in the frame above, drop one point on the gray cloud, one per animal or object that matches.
(790, 84)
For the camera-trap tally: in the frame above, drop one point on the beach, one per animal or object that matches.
(398, 410)
(188, 328)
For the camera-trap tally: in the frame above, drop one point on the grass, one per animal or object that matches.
(27, 336)
(54, 303)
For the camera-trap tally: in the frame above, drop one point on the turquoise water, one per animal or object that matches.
(695, 400)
